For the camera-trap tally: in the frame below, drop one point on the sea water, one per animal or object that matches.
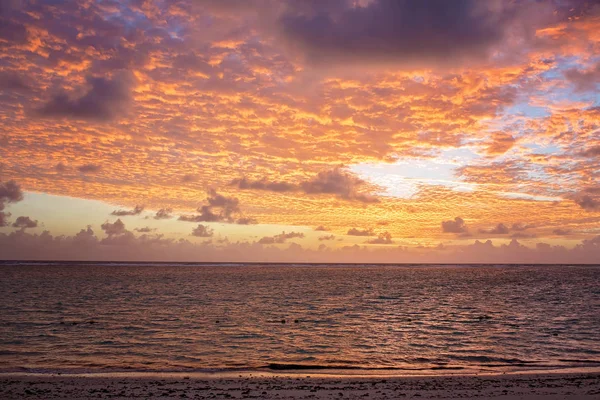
(111, 317)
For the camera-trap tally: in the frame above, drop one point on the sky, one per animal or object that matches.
(300, 130)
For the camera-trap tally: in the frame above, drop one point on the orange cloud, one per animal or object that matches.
(146, 103)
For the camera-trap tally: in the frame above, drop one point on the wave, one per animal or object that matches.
(275, 368)
(292, 367)
(316, 367)
(488, 359)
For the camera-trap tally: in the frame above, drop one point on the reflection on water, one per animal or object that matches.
(99, 317)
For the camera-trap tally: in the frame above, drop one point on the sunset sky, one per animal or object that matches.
(300, 130)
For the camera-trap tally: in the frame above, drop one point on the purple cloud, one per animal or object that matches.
(382, 238)
(163, 213)
(396, 30)
(24, 223)
(202, 231)
(105, 99)
(10, 192)
(123, 213)
(499, 229)
(89, 168)
(280, 238)
(456, 226)
(359, 232)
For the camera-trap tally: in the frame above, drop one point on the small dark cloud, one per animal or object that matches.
(104, 99)
(163, 213)
(145, 229)
(228, 205)
(561, 232)
(382, 238)
(219, 209)
(321, 228)
(24, 223)
(519, 227)
(340, 183)
(204, 217)
(263, 184)
(202, 231)
(588, 203)
(115, 228)
(89, 168)
(456, 226)
(360, 232)
(326, 237)
(123, 213)
(499, 229)
(207, 215)
(10, 192)
(281, 238)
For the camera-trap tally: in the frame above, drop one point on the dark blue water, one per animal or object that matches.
(160, 317)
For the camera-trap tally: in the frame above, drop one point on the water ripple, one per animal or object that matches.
(186, 317)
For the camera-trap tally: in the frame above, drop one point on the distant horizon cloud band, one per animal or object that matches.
(300, 131)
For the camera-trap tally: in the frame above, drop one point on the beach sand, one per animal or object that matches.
(518, 386)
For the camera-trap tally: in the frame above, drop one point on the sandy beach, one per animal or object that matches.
(518, 386)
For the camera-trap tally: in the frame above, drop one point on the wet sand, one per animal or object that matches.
(518, 386)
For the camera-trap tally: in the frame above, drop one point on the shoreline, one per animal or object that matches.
(504, 386)
(325, 373)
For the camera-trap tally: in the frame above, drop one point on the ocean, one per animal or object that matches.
(58, 317)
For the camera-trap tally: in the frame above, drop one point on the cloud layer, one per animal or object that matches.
(428, 31)
(102, 99)
(87, 246)
(338, 113)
